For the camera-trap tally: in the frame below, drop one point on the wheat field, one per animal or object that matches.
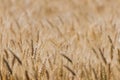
(59, 40)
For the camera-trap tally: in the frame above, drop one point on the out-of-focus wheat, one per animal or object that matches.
(59, 40)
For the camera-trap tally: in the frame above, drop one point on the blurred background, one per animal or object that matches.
(87, 11)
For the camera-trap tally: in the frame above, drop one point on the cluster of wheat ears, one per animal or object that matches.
(43, 40)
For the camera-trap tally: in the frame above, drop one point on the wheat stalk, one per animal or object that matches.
(17, 58)
(72, 72)
(27, 76)
(102, 56)
(67, 58)
(8, 66)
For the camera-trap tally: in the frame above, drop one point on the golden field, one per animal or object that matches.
(59, 40)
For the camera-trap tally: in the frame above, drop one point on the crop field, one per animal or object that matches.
(59, 39)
